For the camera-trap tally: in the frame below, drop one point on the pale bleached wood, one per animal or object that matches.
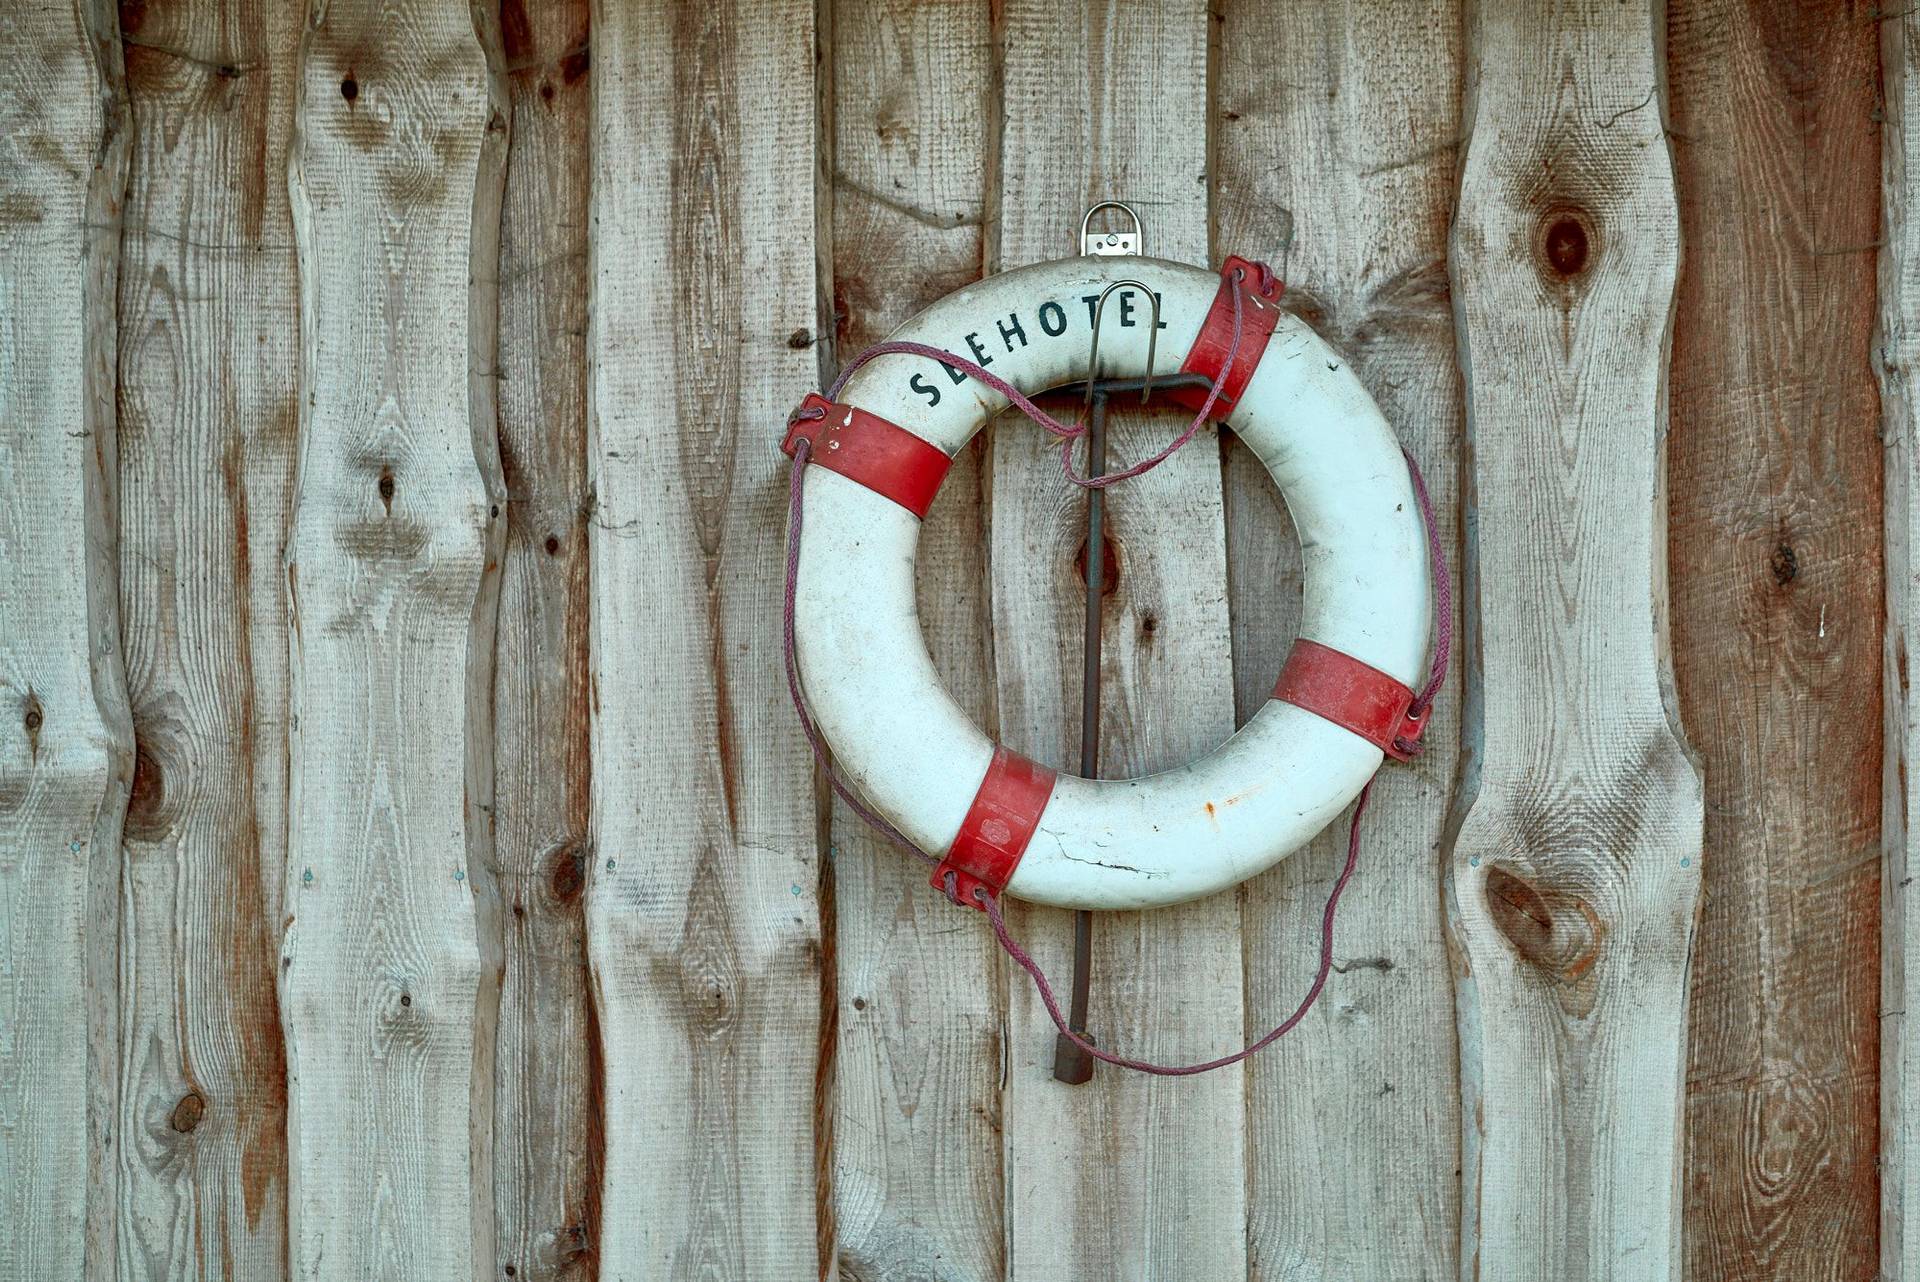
(388, 983)
(1336, 158)
(66, 743)
(1574, 873)
(1898, 356)
(1774, 490)
(702, 916)
(1127, 1176)
(919, 1009)
(207, 420)
(546, 1078)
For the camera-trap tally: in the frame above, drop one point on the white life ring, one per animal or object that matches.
(996, 818)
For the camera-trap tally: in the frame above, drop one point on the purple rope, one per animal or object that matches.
(1436, 676)
(1285, 1026)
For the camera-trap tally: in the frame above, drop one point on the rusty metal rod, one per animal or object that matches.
(1071, 1064)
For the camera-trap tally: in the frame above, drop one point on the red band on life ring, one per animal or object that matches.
(997, 828)
(1352, 695)
(863, 447)
(1259, 313)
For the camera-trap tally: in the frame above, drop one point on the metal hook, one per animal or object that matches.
(1113, 242)
(1153, 337)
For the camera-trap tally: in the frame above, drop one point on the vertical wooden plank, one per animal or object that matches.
(1775, 538)
(1575, 870)
(66, 749)
(1128, 1176)
(546, 1077)
(387, 990)
(1897, 353)
(207, 413)
(1337, 151)
(917, 1172)
(703, 927)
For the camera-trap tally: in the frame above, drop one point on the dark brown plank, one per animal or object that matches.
(1775, 493)
(546, 1084)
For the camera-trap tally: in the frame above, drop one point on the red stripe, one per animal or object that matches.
(998, 826)
(1351, 694)
(863, 447)
(1259, 313)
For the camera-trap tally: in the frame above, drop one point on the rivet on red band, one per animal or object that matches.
(1259, 313)
(1353, 695)
(863, 447)
(997, 828)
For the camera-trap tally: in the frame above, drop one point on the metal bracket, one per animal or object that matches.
(1110, 243)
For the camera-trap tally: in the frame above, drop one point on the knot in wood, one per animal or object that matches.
(1565, 243)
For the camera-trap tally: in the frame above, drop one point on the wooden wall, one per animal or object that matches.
(409, 864)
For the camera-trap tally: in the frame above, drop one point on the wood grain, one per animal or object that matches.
(1127, 1176)
(1775, 554)
(1336, 153)
(1575, 870)
(546, 1146)
(920, 1004)
(1897, 353)
(389, 967)
(66, 743)
(207, 412)
(702, 917)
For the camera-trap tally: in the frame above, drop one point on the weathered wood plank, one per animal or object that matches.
(1127, 1176)
(919, 1010)
(702, 919)
(207, 413)
(66, 745)
(1897, 352)
(1354, 1117)
(388, 990)
(1575, 870)
(546, 1076)
(1775, 554)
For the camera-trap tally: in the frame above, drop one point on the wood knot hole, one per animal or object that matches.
(349, 88)
(567, 874)
(1555, 932)
(1785, 564)
(1566, 244)
(188, 1112)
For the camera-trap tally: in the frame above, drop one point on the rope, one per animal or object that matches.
(1422, 701)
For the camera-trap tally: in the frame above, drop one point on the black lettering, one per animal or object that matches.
(920, 384)
(1054, 330)
(954, 374)
(1007, 335)
(1126, 309)
(1160, 310)
(1093, 305)
(979, 353)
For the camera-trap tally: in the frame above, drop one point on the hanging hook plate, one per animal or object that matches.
(1131, 243)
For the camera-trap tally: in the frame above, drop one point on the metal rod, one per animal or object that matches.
(1071, 1064)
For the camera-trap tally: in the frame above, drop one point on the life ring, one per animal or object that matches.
(997, 820)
